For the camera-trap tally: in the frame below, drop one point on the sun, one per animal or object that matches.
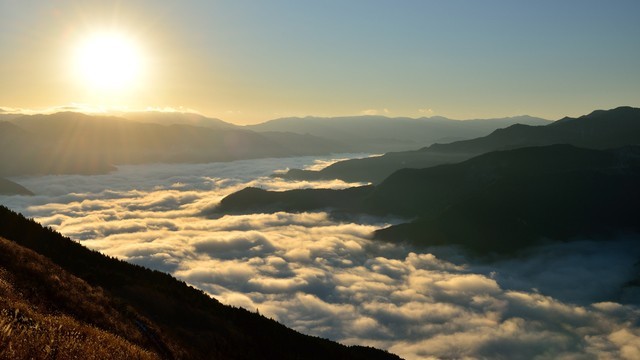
(108, 62)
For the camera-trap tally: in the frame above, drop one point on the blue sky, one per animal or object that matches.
(247, 61)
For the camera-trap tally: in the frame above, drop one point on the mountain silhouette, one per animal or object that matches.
(598, 130)
(498, 202)
(67, 300)
(8, 187)
(178, 118)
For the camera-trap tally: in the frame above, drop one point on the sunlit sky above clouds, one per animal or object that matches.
(248, 61)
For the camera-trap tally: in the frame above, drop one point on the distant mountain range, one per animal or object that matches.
(383, 134)
(60, 300)
(500, 202)
(598, 130)
(75, 143)
(83, 144)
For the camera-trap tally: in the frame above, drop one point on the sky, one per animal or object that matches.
(250, 61)
(327, 277)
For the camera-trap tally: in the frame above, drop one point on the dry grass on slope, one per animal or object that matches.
(46, 313)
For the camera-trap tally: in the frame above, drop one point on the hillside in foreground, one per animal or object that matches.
(45, 312)
(61, 299)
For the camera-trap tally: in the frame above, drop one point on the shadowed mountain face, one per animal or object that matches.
(382, 134)
(598, 130)
(498, 202)
(254, 200)
(55, 289)
(511, 200)
(8, 187)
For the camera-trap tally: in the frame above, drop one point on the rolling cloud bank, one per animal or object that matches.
(328, 278)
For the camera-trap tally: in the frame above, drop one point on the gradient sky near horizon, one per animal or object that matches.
(250, 61)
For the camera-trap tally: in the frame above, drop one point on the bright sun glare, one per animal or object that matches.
(108, 62)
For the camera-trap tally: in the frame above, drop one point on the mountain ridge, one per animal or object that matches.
(368, 133)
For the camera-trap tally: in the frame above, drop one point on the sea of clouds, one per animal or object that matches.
(328, 278)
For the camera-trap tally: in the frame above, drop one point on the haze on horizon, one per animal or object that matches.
(250, 61)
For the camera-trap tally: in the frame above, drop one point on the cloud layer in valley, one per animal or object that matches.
(328, 278)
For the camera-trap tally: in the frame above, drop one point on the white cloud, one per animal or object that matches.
(330, 279)
(323, 163)
(372, 112)
(628, 342)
